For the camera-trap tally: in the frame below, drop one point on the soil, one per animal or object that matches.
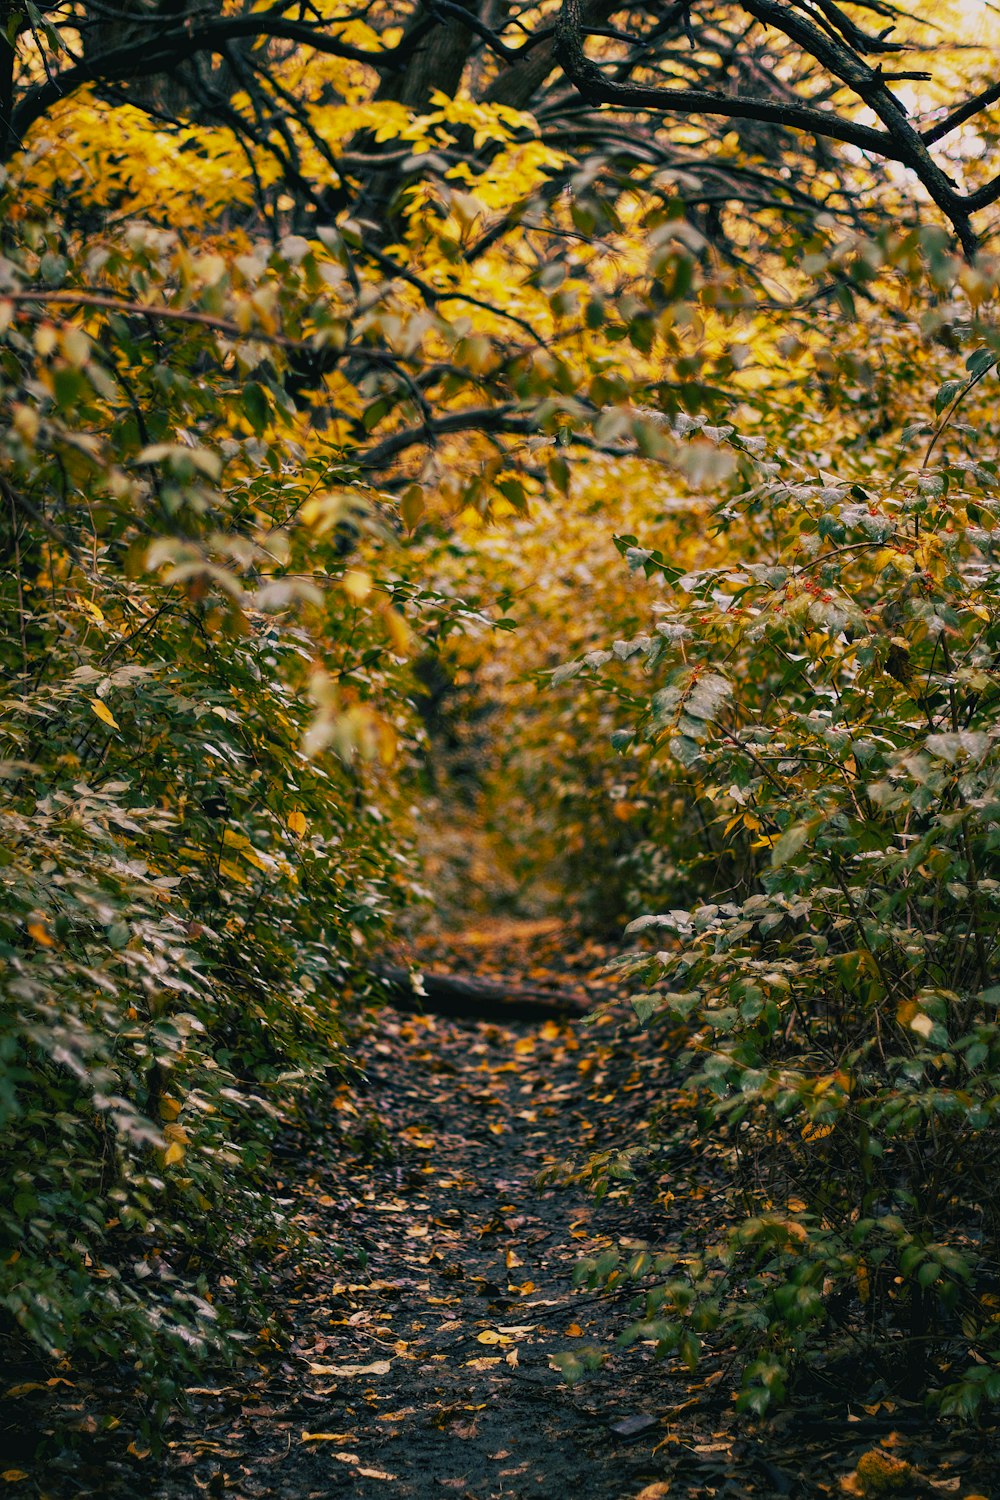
(422, 1324)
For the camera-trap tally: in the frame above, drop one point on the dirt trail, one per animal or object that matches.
(419, 1329)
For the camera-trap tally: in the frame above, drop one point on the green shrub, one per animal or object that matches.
(830, 689)
(204, 723)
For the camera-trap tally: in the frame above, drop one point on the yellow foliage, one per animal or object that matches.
(879, 1473)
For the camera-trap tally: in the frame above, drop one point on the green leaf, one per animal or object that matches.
(645, 1006)
(792, 841)
(256, 406)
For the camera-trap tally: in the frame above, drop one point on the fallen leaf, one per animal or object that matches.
(355, 1461)
(379, 1367)
(11, 1476)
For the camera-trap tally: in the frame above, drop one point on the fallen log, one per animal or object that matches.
(477, 999)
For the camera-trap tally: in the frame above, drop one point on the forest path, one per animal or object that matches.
(419, 1327)
(420, 1364)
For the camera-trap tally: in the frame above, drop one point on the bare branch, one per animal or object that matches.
(964, 112)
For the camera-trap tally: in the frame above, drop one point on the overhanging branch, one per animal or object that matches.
(163, 51)
(898, 140)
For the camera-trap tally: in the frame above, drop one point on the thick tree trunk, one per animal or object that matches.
(479, 999)
(181, 92)
(437, 61)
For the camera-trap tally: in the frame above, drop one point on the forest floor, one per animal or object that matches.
(420, 1323)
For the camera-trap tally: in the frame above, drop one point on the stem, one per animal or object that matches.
(953, 408)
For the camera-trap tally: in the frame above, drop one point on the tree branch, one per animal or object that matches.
(596, 88)
(163, 51)
(959, 116)
(469, 419)
(898, 141)
(153, 310)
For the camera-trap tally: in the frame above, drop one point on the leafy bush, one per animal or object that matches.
(829, 690)
(193, 621)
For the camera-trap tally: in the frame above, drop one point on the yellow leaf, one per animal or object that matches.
(399, 631)
(104, 713)
(326, 1437)
(905, 1011)
(297, 823)
(574, 1331)
(11, 1476)
(348, 1372)
(357, 585)
(411, 506)
(40, 934)
(173, 1153)
(488, 1336)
